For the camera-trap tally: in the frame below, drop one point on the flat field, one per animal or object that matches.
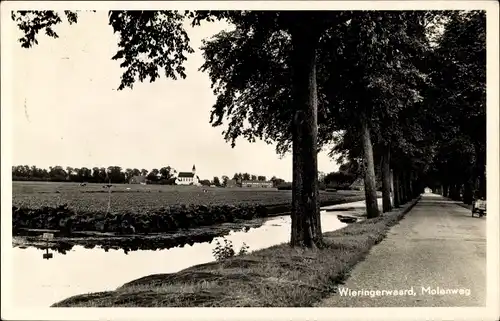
(137, 199)
(143, 209)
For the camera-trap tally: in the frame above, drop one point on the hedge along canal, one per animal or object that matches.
(84, 270)
(66, 221)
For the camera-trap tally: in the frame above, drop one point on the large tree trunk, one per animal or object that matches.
(404, 192)
(410, 185)
(481, 180)
(397, 189)
(392, 187)
(458, 187)
(468, 186)
(480, 171)
(415, 187)
(457, 192)
(446, 190)
(386, 180)
(482, 185)
(370, 180)
(451, 190)
(420, 187)
(454, 193)
(401, 180)
(407, 185)
(306, 223)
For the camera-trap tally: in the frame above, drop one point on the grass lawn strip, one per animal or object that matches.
(278, 276)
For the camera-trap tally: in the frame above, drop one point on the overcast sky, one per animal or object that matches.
(73, 115)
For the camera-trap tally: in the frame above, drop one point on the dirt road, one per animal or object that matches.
(435, 257)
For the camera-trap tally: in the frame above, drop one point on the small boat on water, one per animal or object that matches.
(347, 219)
(341, 209)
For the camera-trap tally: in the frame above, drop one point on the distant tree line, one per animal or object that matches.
(116, 175)
(341, 179)
(248, 177)
(347, 174)
(113, 174)
(239, 177)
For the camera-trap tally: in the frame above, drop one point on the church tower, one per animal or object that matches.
(194, 169)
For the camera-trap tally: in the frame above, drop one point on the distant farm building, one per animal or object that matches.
(232, 183)
(137, 180)
(257, 184)
(359, 185)
(188, 178)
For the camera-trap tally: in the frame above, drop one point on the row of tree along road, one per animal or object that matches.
(403, 91)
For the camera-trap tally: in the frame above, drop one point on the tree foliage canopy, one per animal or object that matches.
(150, 42)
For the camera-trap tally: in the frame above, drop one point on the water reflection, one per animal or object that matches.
(83, 265)
(75, 269)
(47, 255)
(132, 243)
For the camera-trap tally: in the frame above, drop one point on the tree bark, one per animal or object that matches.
(482, 180)
(370, 180)
(386, 180)
(397, 190)
(482, 185)
(410, 185)
(468, 185)
(407, 186)
(480, 171)
(446, 190)
(415, 186)
(392, 186)
(458, 188)
(401, 188)
(404, 192)
(419, 184)
(454, 192)
(306, 223)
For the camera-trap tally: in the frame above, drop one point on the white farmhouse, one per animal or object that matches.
(188, 178)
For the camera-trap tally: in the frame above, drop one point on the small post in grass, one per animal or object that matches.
(47, 237)
(109, 190)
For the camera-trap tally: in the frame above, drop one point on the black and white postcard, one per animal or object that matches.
(340, 157)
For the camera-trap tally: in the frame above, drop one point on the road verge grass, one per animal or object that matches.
(278, 276)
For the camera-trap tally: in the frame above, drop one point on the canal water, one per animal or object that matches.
(40, 283)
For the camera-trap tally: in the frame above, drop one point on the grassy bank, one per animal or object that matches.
(158, 220)
(278, 276)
